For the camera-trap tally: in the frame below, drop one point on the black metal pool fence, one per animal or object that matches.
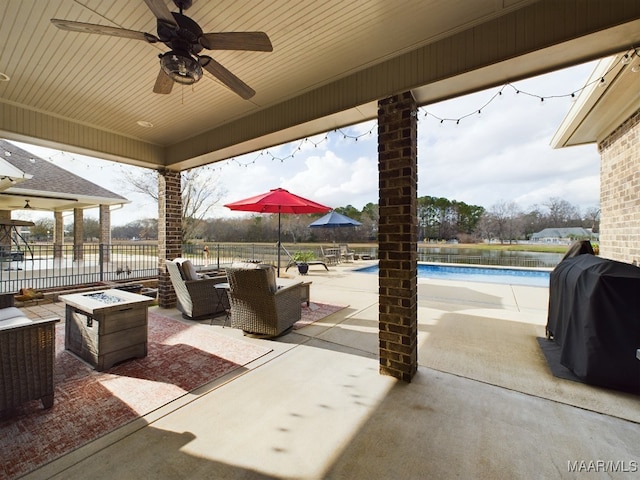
(49, 267)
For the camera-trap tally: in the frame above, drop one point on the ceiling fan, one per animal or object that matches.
(183, 63)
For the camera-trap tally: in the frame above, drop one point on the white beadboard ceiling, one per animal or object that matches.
(331, 61)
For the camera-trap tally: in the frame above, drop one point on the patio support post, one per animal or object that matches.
(105, 232)
(5, 241)
(78, 234)
(169, 232)
(58, 235)
(397, 236)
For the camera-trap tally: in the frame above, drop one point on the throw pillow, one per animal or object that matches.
(244, 265)
(180, 270)
(189, 271)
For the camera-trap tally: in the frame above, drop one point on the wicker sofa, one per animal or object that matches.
(27, 356)
(197, 294)
(258, 305)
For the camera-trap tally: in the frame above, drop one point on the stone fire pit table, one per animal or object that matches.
(107, 326)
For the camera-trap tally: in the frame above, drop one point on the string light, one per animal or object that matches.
(626, 59)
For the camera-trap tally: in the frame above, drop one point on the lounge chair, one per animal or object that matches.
(345, 254)
(330, 257)
(197, 294)
(259, 306)
(292, 262)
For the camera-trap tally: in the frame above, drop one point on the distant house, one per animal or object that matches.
(563, 235)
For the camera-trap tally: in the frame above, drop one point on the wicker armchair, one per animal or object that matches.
(258, 306)
(197, 298)
(27, 357)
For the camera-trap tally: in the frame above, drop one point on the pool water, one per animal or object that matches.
(509, 276)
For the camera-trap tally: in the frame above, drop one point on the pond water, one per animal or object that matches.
(508, 276)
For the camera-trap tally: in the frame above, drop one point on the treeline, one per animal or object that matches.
(507, 222)
(294, 228)
(439, 219)
(442, 219)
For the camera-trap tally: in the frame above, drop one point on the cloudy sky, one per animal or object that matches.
(500, 155)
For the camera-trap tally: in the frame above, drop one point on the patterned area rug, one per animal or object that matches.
(89, 404)
(314, 312)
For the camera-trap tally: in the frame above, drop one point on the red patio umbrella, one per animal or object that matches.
(278, 200)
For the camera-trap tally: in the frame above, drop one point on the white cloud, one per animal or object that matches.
(504, 154)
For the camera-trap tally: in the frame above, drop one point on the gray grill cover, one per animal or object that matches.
(594, 316)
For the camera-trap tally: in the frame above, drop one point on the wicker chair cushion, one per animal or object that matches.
(271, 276)
(189, 271)
(10, 312)
(14, 322)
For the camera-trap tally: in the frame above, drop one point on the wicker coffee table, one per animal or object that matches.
(107, 326)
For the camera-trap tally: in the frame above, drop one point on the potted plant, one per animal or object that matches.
(302, 257)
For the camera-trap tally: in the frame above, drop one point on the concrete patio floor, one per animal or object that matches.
(483, 404)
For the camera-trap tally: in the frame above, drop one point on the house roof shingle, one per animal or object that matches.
(50, 181)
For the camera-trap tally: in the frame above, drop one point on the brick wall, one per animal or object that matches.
(397, 236)
(169, 232)
(620, 192)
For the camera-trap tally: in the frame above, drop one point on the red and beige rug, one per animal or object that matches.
(88, 404)
(314, 312)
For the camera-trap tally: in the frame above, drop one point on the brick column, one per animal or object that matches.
(78, 234)
(5, 241)
(58, 235)
(169, 232)
(397, 236)
(105, 232)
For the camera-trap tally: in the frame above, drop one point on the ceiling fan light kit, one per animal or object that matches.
(182, 68)
(185, 39)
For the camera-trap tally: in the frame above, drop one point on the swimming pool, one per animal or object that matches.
(509, 276)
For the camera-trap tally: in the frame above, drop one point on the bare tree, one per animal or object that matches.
(200, 193)
(562, 213)
(503, 221)
(42, 229)
(592, 219)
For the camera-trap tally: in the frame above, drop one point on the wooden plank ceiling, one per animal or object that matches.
(88, 93)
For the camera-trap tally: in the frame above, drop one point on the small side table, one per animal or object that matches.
(305, 295)
(224, 286)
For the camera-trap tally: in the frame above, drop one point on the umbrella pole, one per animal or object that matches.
(278, 244)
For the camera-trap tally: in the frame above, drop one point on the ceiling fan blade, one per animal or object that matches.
(163, 84)
(254, 41)
(102, 30)
(160, 10)
(229, 79)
